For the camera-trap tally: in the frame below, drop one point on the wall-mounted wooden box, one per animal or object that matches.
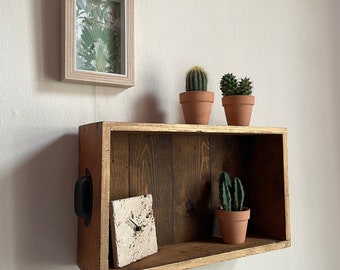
(180, 165)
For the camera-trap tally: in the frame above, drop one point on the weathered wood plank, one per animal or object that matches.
(119, 173)
(150, 172)
(266, 183)
(184, 128)
(217, 160)
(92, 237)
(119, 166)
(191, 188)
(188, 255)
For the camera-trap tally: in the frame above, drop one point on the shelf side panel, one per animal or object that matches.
(191, 188)
(267, 185)
(150, 172)
(90, 237)
(119, 174)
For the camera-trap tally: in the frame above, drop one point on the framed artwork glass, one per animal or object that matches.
(97, 42)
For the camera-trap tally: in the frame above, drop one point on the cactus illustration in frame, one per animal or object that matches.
(99, 36)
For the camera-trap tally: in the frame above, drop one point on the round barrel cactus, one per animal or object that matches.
(230, 86)
(196, 79)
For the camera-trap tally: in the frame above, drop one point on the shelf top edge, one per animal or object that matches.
(187, 128)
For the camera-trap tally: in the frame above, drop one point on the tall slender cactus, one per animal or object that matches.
(231, 193)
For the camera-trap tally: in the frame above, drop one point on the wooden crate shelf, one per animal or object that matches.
(180, 165)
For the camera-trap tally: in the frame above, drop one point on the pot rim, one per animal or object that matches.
(243, 209)
(238, 99)
(189, 96)
(234, 215)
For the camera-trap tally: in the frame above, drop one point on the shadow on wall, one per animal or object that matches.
(335, 22)
(49, 12)
(47, 26)
(147, 110)
(42, 198)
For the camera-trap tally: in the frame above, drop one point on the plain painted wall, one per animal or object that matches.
(289, 48)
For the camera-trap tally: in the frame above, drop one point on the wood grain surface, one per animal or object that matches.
(179, 165)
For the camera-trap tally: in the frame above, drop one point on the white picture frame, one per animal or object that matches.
(97, 42)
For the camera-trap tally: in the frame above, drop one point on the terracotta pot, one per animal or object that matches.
(233, 225)
(238, 109)
(196, 106)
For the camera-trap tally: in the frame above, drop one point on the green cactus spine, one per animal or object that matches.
(238, 194)
(230, 86)
(196, 79)
(225, 196)
(231, 193)
(245, 86)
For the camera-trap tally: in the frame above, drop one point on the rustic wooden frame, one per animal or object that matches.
(70, 73)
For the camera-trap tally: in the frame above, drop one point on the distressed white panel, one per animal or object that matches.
(133, 229)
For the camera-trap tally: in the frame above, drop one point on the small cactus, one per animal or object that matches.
(231, 193)
(245, 86)
(230, 86)
(196, 79)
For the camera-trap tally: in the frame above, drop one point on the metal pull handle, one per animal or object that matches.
(83, 197)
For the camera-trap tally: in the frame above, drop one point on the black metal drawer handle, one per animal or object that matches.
(83, 197)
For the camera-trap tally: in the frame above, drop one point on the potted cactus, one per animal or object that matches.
(232, 215)
(196, 100)
(237, 99)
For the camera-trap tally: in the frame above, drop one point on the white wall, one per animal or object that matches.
(289, 48)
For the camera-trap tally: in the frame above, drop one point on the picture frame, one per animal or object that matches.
(98, 42)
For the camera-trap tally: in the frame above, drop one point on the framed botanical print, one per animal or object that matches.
(97, 42)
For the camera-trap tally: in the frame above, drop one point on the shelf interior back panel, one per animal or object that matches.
(181, 171)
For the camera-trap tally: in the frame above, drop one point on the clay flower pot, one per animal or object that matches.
(238, 109)
(233, 225)
(196, 106)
